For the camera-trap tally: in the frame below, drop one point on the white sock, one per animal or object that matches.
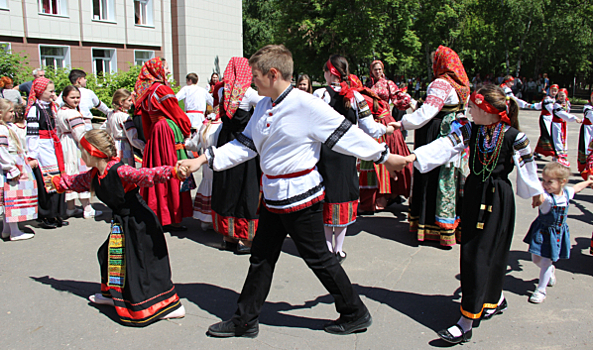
(329, 234)
(465, 323)
(340, 233)
(547, 268)
(14, 229)
(489, 311)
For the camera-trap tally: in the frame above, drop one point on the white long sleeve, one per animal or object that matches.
(438, 94)
(7, 160)
(561, 113)
(442, 150)
(132, 134)
(547, 103)
(528, 184)
(509, 93)
(32, 137)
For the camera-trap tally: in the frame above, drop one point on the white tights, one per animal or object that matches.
(546, 270)
(11, 228)
(339, 233)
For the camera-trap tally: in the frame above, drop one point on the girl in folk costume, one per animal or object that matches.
(386, 89)
(206, 137)
(339, 171)
(70, 126)
(488, 213)
(165, 128)
(44, 150)
(545, 145)
(436, 195)
(135, 269)
(18, 191)
(586, 136)
(377, 187)
(236, 191)
(121, 127)
(560, 115)
(507, 85)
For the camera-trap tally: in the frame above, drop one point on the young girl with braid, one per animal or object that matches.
(135, 269)
(488, 211)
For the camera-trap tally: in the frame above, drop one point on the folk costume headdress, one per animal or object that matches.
(480, 102)
(347, 90)
(37, 89)
(448, 66)
(152, 72)
(237, 79)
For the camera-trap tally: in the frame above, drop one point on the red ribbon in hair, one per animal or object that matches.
(93, 151)
(481, 103)
(554, 86)
(509, 79)
(333, 70)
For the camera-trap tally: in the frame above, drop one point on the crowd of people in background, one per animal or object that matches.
(289, 158)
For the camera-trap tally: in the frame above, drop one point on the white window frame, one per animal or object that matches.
(62, 8)
(148, 13)
(112, 60)
(143, 51)
(106, 9)
(65, 58)
(4, 5)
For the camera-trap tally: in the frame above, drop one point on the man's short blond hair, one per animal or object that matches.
(273, 56)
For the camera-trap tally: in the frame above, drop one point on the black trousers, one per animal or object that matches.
(306, 230)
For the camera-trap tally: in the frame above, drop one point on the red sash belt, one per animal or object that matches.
(155, 118)
(194, 112)
(556, 119)
(586, 121)
(291, 175)
(51, 135)
(545, 111)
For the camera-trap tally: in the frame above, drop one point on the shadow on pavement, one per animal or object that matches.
(81, 289)
(578, 263)
(218, 301)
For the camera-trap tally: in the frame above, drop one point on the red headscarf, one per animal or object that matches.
(237, 79)
(37, 89)
(152, 71)
(448, 66)
(480, 102)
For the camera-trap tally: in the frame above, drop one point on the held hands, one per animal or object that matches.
(537, 200)
(396, 162)
(579, 120)
(33, 163)
(395, 126)
(188, 166)
(48, 183)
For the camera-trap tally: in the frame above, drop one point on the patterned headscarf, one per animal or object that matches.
(237, 79)
(37, 89)
(448, 66)
(152, 71)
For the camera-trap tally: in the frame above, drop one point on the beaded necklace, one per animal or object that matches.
(488, 150)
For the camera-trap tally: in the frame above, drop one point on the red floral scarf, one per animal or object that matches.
(448, 66)
(237, 79)
(152, 71)
(37, 89)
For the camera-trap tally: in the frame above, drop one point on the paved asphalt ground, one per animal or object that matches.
(411, 289)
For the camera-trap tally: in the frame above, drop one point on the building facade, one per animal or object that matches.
(101, 36)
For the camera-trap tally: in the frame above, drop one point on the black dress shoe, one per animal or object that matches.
(448, 337)
(243, 249)
(48, 224)
(342, 327)
(340, 257)
(227, 329)
(365, 212)
(499, 310)
(173, 228)
(230, 246)
(60, 222)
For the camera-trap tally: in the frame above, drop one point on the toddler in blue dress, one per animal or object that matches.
(548, 236)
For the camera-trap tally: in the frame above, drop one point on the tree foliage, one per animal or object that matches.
(518, 37)
(14, 65)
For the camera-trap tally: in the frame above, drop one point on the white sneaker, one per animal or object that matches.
(179, 313)
(21, 236)
(98, 298)
(92, 214)
(205, 226)
(73, 212)
(537, 297)
(552, 281)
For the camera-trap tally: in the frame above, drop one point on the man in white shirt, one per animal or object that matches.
(88, 99)
(196, 98)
